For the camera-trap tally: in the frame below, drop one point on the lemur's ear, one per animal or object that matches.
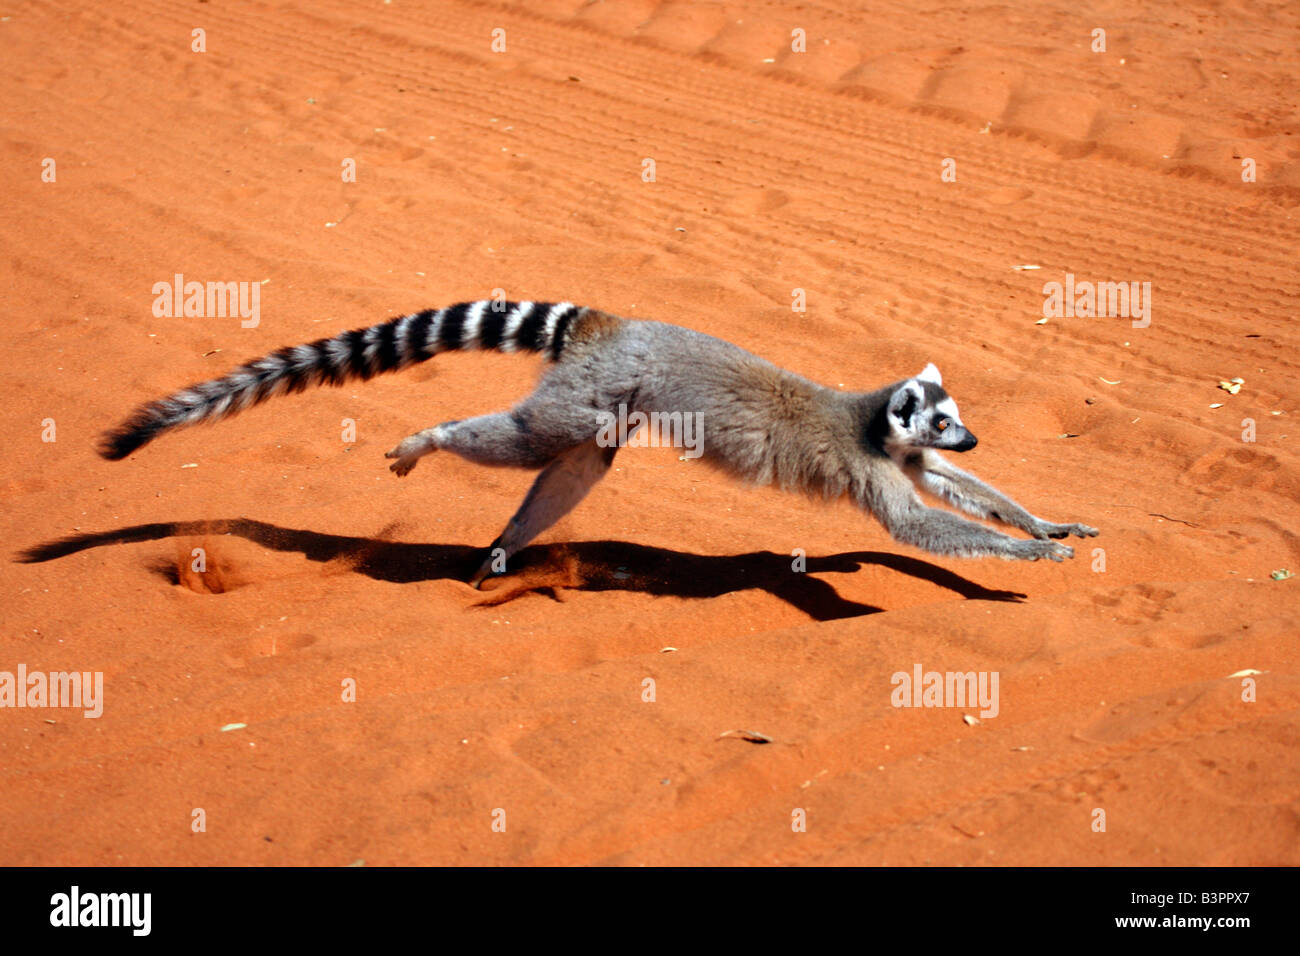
(904, 402)
(931, 374)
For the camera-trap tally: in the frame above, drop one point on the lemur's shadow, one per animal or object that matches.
(545, 569)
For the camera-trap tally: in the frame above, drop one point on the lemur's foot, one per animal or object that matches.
(1035, 549)
(494, 563)
(409, 453)
(402, 467)
(1047, 529)
(481, 575)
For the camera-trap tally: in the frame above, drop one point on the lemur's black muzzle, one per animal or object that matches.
(958, 438)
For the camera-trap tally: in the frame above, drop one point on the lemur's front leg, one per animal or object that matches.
(940, 477)
(894, 501)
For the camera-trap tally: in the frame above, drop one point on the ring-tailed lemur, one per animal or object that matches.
(758, 422)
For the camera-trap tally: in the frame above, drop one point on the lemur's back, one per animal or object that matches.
(761, 422)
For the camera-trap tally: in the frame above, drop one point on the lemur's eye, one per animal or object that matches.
(943, 423)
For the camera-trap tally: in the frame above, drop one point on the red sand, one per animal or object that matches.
(775, 170)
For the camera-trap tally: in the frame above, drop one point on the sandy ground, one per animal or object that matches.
(775, 170)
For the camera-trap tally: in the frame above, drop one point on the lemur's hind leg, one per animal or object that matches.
(558, 489)
(513, 439)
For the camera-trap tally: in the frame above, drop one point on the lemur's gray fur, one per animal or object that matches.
(757, 421)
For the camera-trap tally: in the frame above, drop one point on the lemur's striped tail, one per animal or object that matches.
(361, 353)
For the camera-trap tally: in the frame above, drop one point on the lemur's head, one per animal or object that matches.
(920, 414)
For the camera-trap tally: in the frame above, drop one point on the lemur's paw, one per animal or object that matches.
(491, 567)
(412, 446)
(408, 453)
(1046, 529)
(1033, 550)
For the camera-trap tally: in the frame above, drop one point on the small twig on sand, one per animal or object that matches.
(1156, 514)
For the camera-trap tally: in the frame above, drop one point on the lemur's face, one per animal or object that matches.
(922, 415)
